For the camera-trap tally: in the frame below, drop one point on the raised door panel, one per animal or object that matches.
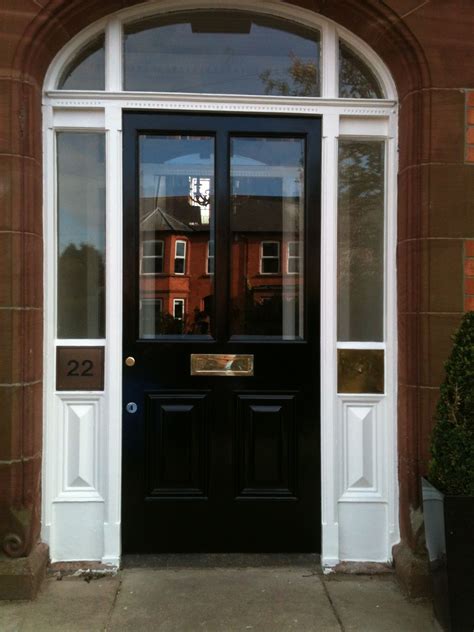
(176, 454)
(265, 446)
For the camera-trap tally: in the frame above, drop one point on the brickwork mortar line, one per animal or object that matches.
(26, 459)
(9, 154)
(21, 384)
(21, 309)
(420, 6)
(22, 233)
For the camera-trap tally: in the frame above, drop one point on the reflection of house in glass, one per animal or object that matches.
(177, 249)
(176, 285)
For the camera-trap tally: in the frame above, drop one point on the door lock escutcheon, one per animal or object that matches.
(131, 407)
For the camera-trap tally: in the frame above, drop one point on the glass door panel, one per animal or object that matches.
(267, 236)
(176, 232)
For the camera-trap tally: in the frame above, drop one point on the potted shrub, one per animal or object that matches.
(448, 494)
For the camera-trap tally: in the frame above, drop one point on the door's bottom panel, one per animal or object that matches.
(176, 445)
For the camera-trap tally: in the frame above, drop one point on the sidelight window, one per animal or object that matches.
(360, 273)
(361, 240)
(81, 234)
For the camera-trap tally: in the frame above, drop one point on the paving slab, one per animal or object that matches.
(177, 598)
(12, 615)
(375, 603)
(62, 606)
(223, 600)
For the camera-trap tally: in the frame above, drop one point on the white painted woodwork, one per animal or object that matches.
(363, 428)
(359, 447)
(329, 414)
(77, 531)
(80, 446)
(82, 431)
(64, 120)
(78, 435)
(362, 535)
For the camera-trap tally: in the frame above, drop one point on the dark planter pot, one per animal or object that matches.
(449, 528)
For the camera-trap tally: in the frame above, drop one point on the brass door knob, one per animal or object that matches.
(130, 361)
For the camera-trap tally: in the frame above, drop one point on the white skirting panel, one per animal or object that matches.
(77, 532)
(363, 532)
(363, 475)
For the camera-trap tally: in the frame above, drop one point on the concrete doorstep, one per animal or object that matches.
(264, 599)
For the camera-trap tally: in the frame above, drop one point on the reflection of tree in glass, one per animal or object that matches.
(166, 324)
(81, 287)
(199, 326)
(261, 318)
(303, 79)
(360, 233)
(356, 80)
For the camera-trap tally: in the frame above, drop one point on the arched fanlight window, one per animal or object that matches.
(87, 70)
(356, 79)
(221, 52)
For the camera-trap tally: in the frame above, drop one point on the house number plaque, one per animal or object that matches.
(80, 369)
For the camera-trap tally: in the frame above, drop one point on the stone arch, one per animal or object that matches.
(41, 38)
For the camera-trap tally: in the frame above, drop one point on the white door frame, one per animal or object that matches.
(358, 432)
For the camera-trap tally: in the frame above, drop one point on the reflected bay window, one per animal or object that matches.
(152, 257)
(180, 257)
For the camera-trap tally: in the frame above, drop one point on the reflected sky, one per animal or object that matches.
(81, 189)
(87, 71)
(182, 57)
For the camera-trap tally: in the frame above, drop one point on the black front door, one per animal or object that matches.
(221, 333)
